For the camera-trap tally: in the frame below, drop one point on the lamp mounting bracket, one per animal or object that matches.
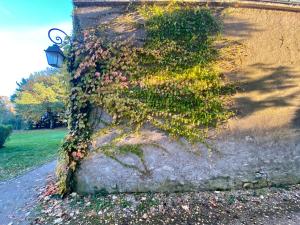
(58, 40)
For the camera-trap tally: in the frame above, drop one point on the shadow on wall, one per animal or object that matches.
(237, 28)
(296, 120)
(273, 88)
(266, 71)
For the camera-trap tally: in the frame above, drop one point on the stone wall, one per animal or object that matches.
(177, 166)
(259, 147)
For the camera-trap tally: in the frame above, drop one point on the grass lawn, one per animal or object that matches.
(27, 149)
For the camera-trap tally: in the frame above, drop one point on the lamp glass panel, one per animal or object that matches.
(60, 60)
(52, 58)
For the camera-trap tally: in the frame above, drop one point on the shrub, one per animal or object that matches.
(5, 131)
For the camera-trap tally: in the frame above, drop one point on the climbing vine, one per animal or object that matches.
(169, 82)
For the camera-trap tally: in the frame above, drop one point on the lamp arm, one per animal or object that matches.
(58, 40)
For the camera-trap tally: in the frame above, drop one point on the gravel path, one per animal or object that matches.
(17, 196)
(266, 206)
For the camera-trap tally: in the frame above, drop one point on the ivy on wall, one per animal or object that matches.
(169, 82)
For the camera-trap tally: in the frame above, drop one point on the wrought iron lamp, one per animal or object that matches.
(54, 54)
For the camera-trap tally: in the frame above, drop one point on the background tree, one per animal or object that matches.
(7, 114)
(41, 97)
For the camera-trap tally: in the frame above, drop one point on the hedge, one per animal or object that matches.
(5, 131)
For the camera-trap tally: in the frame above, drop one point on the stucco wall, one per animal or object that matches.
(259, 147)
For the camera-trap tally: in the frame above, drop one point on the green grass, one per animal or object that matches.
(28, 149)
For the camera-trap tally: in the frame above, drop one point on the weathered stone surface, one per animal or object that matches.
(177, 166)
(121, 23)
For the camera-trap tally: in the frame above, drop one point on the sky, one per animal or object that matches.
(24, 26)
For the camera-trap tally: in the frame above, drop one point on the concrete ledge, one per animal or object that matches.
(267, 4)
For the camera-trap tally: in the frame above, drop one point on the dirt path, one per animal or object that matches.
(18, 196)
